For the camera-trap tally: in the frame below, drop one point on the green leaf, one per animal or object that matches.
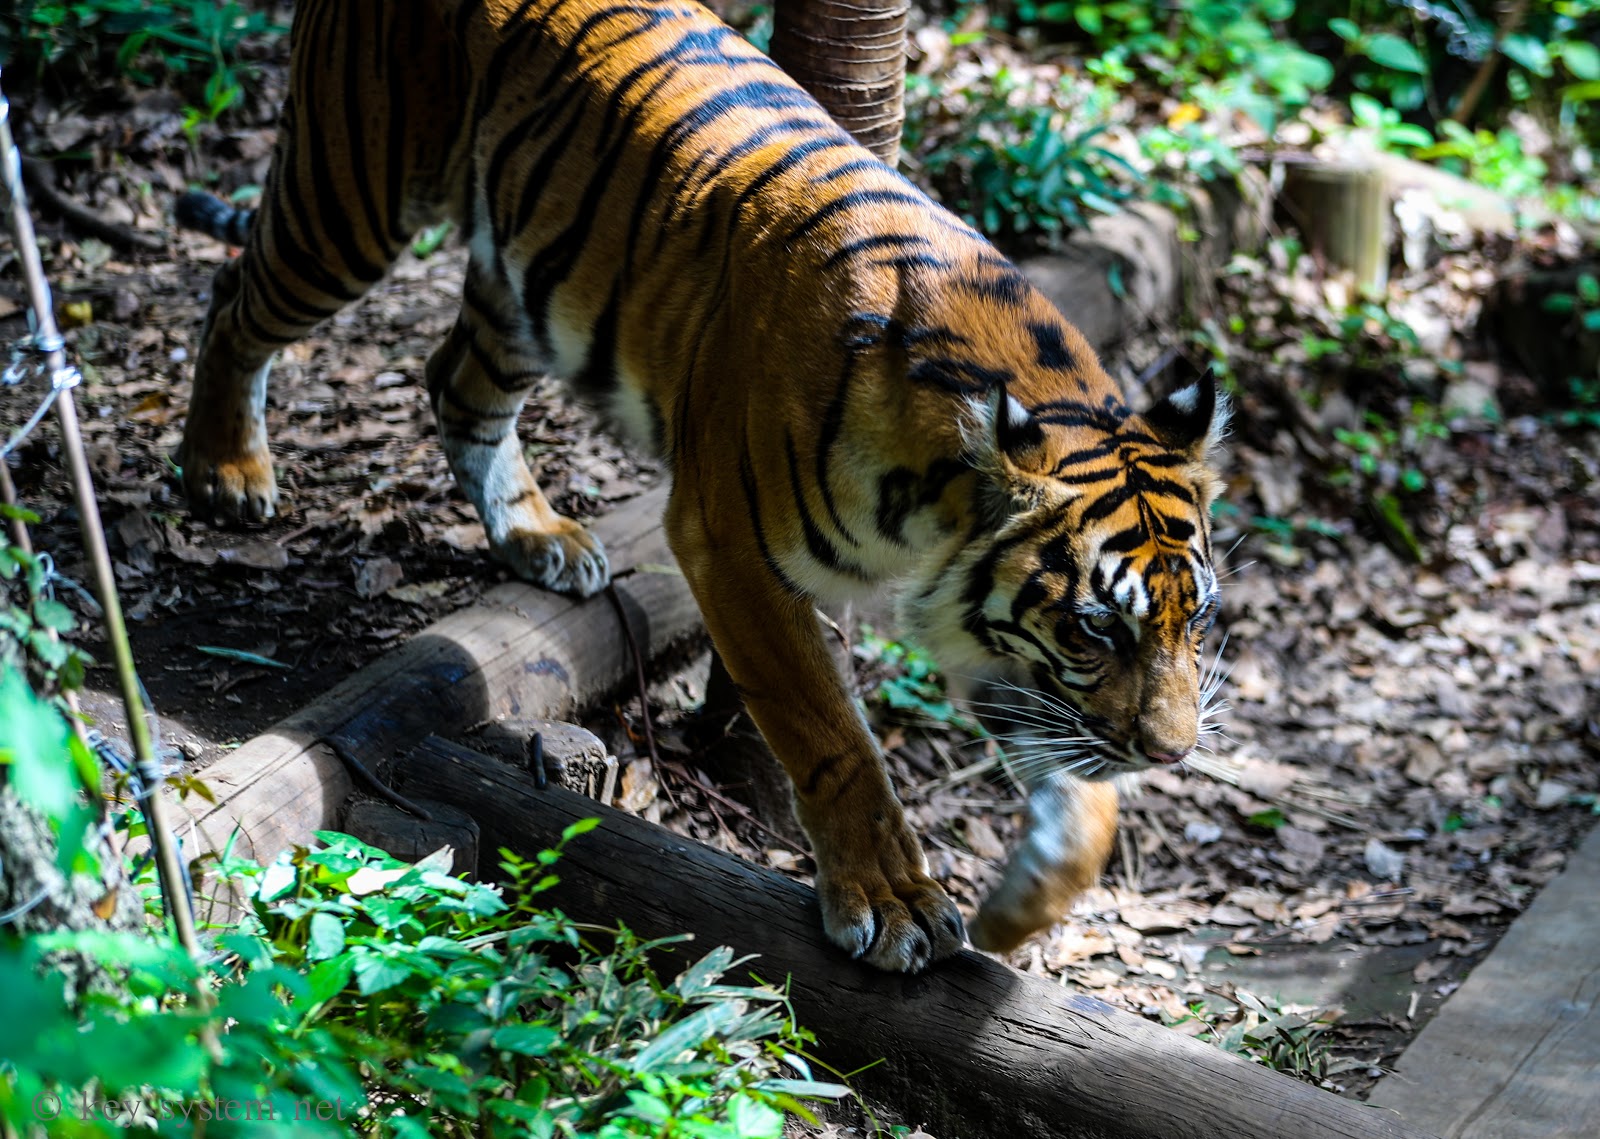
(1581, 59)
(690, 1032)
(1407, 135)
(1270, 819)
(1389, 50)
(526, 1039)
(1344, 29)
(33, 742)
(1528, 51)
(19, 513)
(54, 615)
(750, 1117)
(277, 879)
(328, 979)
(327, 937)
(581, 827)
(375, 973)
(240, 655)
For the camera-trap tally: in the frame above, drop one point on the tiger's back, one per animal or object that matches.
(851, 386)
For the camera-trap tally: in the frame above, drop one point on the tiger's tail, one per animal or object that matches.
(210, 215)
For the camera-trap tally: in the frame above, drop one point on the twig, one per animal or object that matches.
(1486, 69)
(733, 805)
(638, 672)
(41, 176)
(364, 775)
(8, 495)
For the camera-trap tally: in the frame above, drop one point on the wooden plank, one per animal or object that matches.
(519, 651)
(1515, 1052)
(969, 1049)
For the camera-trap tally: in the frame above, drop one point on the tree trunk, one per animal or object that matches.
(852, 58)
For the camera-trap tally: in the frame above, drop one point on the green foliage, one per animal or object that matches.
(1290, 1041)
(364, 995)
(368, 994)
(1016, 169)
(192, 43)
(1495, 159)
(49, 768)
(32, 620)
(1228, 45)
(914, 686)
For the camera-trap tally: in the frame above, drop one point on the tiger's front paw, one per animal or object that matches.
(881, 907)
(231, 488)
(565, 559)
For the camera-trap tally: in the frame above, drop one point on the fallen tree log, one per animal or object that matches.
(969, 1049)
(518, 651)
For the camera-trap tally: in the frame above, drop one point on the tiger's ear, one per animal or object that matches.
(1192, 420)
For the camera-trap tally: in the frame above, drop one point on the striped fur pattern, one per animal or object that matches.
(851, 387)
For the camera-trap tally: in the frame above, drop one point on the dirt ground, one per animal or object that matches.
(1411, 749)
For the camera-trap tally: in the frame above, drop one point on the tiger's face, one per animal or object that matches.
(1086, 606)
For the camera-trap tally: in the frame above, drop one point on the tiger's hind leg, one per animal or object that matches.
(352, 178)
(1072, 824)
(477, 381)
(273, 294)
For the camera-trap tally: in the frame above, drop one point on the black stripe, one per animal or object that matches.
(960, 376)
(877, 241)
(1051, 342)
(822, 550)
(849, 201)
(747, 480)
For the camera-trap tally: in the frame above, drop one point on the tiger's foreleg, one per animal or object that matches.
(477, 382)
(1071, 827)
(877, 899)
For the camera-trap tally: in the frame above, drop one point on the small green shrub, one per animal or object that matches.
(361, 995)
(913, 686)
(193, 44)
(1020, 171)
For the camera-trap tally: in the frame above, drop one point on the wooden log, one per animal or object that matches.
(1342, 209)
(1126, 272)
(1515, 1052)
(410, 839)
(970, 1048)
(519, 651)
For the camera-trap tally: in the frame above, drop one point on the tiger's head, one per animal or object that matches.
(1086, 593)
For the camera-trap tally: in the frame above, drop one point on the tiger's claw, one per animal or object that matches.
(900, 924)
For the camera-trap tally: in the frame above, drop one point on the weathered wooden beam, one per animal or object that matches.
(970, 1048)
(518, 651)
(1515, 1052)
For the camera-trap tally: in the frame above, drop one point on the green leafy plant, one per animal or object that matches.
(1294, 1041)
(914, 685)
(1232, 46)
(32, 621)
(192, 43)
(1013, 168)
(1495, 159)
(362, 995)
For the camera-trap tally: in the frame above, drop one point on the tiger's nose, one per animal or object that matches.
(1165, 757)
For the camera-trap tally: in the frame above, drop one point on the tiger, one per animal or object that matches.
(850, 387)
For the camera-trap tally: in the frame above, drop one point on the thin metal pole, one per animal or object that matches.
(63, 378)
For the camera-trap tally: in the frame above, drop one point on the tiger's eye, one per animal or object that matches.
(1102, 620)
